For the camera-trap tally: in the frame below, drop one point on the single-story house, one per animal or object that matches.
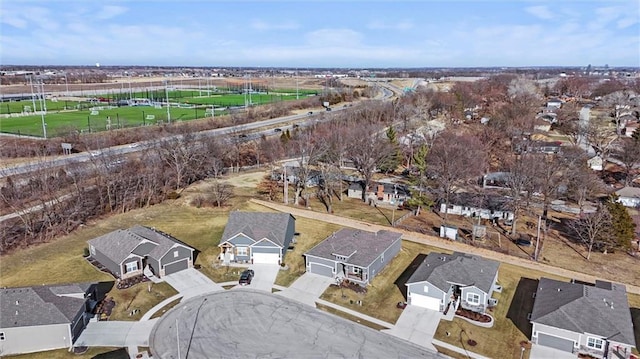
(547, 147)
(496, 180)
(314, 177)
(380, 192)
(583, 319)
(629, 196)
(595, 163)
(353, 254)
(443, 282)
(129, 252)
(488, 206)
(554, 102)
(42, 318)
(257, 237)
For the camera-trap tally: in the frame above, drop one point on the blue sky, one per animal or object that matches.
(320, 33)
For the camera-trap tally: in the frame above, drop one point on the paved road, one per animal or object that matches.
(440, 243)
(226, 324)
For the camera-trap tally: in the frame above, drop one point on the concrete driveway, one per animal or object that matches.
(116, 334)
(542, 352)
(307, 288)
(417, 325)
(264, 276)
(190, 283)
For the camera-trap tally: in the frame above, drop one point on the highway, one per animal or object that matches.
(387, 92)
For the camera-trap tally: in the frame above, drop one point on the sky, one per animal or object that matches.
(317, 33)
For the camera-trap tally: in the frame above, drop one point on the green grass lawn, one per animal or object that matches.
(52, 105)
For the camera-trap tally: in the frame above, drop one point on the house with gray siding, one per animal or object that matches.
(42, 318)
(580, 318)
(257, 237)
(129, 252)
(488, 206)
(444, 282)
(355, 255)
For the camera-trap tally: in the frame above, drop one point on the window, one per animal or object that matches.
(175, 254)
(242, 251)
(426, 289)
(595, 343)
(130, 267)
(1, 336)
(93, 250)
(473, 298)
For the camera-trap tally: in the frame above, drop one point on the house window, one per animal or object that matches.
(426, 289)
(93, 250)
(1, 336)
(473, 298)
(595, 343)
(356, 270)
(130, 267)
(242, 251)
(175, 254)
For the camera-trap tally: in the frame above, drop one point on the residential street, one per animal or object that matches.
(438, 242)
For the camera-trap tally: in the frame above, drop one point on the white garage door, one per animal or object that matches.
(270, 258)
(425, 302)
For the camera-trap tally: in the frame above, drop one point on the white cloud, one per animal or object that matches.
(399, 25)
(333, 37)
(265, 26)
(541, 12)
(110, 11)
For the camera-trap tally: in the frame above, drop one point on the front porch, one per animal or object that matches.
(353, 273)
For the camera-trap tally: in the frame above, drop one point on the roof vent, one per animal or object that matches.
(17, 302)
(559, 289)
(16, 312)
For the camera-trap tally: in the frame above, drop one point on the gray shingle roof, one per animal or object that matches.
(258, 225)
(442, 270)
(45, 305)
(119, 244)
(362, 247)
(602, 309)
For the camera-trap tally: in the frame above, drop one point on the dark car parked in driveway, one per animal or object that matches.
(246, 277)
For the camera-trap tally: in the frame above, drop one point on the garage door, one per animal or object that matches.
(176, 266)
(321, 270)
(555, 342)
(425, 301)
(269, 258)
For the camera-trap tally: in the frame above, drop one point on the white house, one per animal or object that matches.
(629, 196)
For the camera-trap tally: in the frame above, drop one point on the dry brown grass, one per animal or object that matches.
(138, 297)
(383, 293)
(62, 354)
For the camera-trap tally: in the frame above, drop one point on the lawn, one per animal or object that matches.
(311, 233)
(63, 354)
(166, 308)
(387, 288)
(51, 105)
(140, 297)
(511, 325)
(61, 261)
(356, 209)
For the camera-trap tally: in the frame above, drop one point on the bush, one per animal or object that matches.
(85, 252)
(173, 195)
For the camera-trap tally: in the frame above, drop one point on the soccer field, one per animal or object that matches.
(63, 116)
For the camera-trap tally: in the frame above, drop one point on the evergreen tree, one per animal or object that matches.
(394, 158)
(622, 225)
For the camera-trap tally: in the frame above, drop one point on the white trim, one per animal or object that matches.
(333, 269)
(469, 294)
(597, 340)
(2, 336)
(246, 251)
(126, 267)
(235, 236)
(268, 240)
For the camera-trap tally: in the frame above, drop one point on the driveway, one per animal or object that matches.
(307, 288)
(264, 276)
(116, 334)
(417, 325)
(542, 352)
(190, 283)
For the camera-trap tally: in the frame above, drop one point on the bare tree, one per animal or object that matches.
(220, 192)
(592, 229)
(180, 155)
(521, 181)
(454, 159)
(629, 157)
(367, 150)
(310, 151)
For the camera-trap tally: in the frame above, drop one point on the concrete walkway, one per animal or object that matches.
(417, 325)
(356, 314)
(439, 242)
(459, 350)
(118, 334)
(159, 306)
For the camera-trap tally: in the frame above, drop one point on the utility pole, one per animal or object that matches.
(535, 254)
(286, 185)
(178, 338)
(166, 91)
(43, 109)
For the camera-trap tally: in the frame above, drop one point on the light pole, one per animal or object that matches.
(166, 91)
(521, 352)
(66, 83)
(178, 338)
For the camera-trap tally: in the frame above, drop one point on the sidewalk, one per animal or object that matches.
(438, 242)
